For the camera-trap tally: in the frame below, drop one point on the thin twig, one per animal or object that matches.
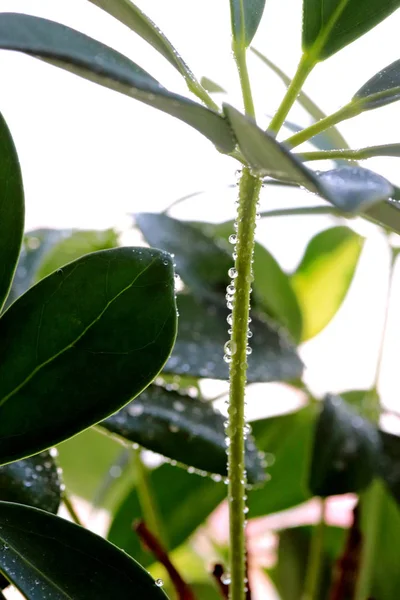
(348, 564)
(182, 589)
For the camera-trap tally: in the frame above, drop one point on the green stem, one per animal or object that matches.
(70, 508)
(304, 68)
(197, 89)
(146, 498)
(302, 210)
(315, 559)
(345, 153)
(346, 112)
(241, 62)
(249, 189)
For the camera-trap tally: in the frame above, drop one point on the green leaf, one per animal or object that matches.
(11, 210)
(245, 24)
(389, 467)
(184, 501)
(346, 451)
(201, 263)
(181, 428)
(383, 88)
(288, 438)
(324, 275)
(211, 86)
(333, 24)
(95, 334)
(46, 556)
(71, 50)
(351, 189)
(202, 333)
(34, 481)
(386, 214)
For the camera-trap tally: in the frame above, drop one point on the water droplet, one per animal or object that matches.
(232, 272)
(229, 318)
(227, 358)
(230, 348)
(159, 582)
(232, 238)
(249, 350)
(234, 255)
(249, 334)
(135, 409)
(226, 578)
(230, 289)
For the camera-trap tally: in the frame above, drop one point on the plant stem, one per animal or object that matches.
(304, 68)
(346, 112)
(146, 498)
(315, 559)
(71, 510)
(241, 61)
(249, 189)
(196, 88)
(302, 210)
(358, 154)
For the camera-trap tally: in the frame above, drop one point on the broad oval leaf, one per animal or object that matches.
(324, 276)
(12, 210)
(181, 428)
(331, 25)
(383, 88)
(346, 453)
(46, 556)
(80, 344)
(246, 16)
(184, 502)
(71, 50)
(34, 481)
(202, 333)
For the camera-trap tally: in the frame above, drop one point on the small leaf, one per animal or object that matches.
(34, 481)
(71, 50)
(327, 29)
(184, 501)
(346, 451)
(11, 210)
(383, 88)
(324, 275)
(94, 335)
(288, 440)
(46, 556)
(211, 86)
(202, 333)
(351, 189)
(244, 30)
(182, 428)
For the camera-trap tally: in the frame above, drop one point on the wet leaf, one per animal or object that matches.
(383, 88)
(211, 86)
(71, 50)
(46, 556)
(324, 276)
(244, 29)
(202, 333)
(386, 214)
(184, 501)
(12, 210)
(327, 29)
(95, 334)
(346, 451)
(181, 428)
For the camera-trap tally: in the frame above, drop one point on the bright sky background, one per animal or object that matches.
(90, 156)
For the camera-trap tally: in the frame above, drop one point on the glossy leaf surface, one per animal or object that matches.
(94, 335)
(330, 25)
(324, 276)
(346, 452)
(288, 438)
(184, 501)
(383, 88)
(202, 333)
(12, 210)
(34, 481)
(181, 428)
(88, 58)
(245, 24)
(46, 556)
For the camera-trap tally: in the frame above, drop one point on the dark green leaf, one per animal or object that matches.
(202, 333)
(324, 275)
(288, 438)
(351, 189)
(184, 501)
(34, 481)
(390, 463)
(244, 29)
(211, 86)
(202, 264)
(330, 25)
(46, 556)
(346, 451)
(94, 335)
(11, 210)
(88, 58)
(386, 214)
(181, 428)
(383, 88)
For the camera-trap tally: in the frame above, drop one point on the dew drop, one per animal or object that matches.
(230, 289)
(159, 582)
(229, 318)
(232, 272)
(249, 350)
(227, 358)
(232, 238)
(226, 578)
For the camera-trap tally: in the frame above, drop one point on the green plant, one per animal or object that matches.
(89, 325)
